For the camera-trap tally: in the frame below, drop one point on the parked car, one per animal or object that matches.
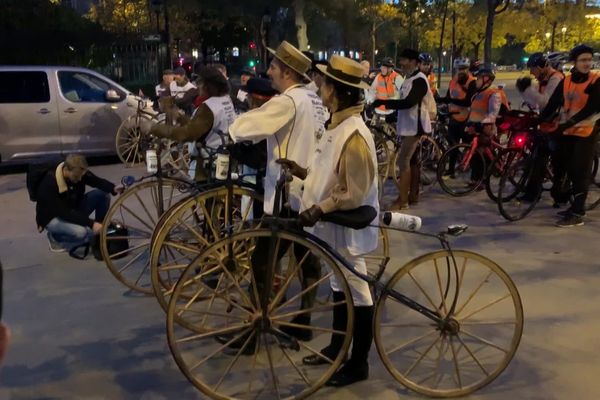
(53, 110)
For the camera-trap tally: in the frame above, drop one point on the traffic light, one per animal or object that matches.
(251, 63)
(252, 45)
(525, 59)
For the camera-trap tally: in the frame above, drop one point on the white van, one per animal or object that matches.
(51, 111)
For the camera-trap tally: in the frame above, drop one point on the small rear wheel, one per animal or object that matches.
(460, 170)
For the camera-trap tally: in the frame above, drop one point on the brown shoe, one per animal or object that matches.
(397, 205)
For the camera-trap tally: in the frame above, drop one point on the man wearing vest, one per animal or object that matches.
(291, 123)
(426, 67)
(211, 120)
(461, 90)
(485, 108)
(386, 86)
(578, 98)
(537, 96)
(413, 120)
(342, 177)
(548, 78)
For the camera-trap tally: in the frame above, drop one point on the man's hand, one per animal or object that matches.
(119, 189)
(160, 130)
(311, 216)
(294, 168)
(97, 228)
(523, 83)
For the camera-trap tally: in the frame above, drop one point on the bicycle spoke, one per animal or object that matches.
(222, 331)
(130, 262)
(472, 355)
(418, 361)
(314, 328)
(302, 293)
(482, 340)
(134, 215)
(456, 368)
(142, 273)
(145, 208)
(412, 341)
(498, 300)
(232, 363)
(288, 281)
(474, 292)
(314, 309)
(422, 290)
(286, 354)
(220, 349)
(437, 274)
(271, 368)
(129, 250)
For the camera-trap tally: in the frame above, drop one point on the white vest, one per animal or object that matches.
(224, 115)
(408, 119)
(295, 141)
(178, 91)
(323, 177)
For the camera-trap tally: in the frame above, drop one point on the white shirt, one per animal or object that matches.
(291, 123)
(539, 100)
(178, 91)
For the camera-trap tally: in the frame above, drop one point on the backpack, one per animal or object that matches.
(36, 173)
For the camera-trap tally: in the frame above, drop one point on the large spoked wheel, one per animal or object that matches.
(190, 226)
(514, 203)
(475, 345)
(461, 171)
(502, 162)
(176, 157)
(138, 211)
(240, 347)
(129, 140)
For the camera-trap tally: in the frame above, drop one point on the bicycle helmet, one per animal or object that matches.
(461, 63)
(486, 72)
(425, 58)
(387, 62)
(579, 50)
(537, 60)
(474, 66)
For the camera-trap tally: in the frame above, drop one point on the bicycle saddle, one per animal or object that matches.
(457, 230)
(357, 218)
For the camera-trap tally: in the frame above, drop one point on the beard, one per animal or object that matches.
(462, 78)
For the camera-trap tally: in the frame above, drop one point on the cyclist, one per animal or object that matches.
(386, 86)
(486, 106)
(461, 90)
(413, 120)
(475, 66)
(548, 78)
(426, 67)
(578, 98)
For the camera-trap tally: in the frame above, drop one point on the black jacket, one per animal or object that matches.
(51, 203)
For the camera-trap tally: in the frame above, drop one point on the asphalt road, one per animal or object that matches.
(79, 334)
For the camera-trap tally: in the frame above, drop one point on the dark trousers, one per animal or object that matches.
(261, 262)
(456, 134)
(574, 157)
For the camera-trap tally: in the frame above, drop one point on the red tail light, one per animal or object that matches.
(520, 140)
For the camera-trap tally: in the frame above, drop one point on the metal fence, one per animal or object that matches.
(141, 61)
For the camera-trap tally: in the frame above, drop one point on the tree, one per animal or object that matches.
(122, 16)
(376, 13)
(494, 7)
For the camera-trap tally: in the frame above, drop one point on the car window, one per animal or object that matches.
(79, 87)
(24, 87)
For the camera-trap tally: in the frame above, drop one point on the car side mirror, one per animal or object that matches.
(112, 95)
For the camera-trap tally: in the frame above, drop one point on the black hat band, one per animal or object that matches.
(338, 73)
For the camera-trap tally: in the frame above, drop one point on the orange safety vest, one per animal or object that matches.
(432, 83)
(459, 92)
(575, 99)
(386, 88)
(544, 83)
(481, 101)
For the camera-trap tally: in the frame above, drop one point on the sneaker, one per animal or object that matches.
(570, 221)
(54, 245)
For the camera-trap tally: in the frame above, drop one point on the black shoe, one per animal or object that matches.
(304, 335)
(348, 375)
(234, 347)
(316, 359)
(565, 213)
(527, 198)
(570, 221)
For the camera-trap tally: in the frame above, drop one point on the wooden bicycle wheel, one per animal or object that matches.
(129, 139)
(187, 228)
(478, 337)
(137, 210)
(239, 347)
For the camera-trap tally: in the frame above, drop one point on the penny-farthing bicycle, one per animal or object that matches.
(446, 323)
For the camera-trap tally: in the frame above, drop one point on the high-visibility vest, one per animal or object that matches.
(481, 101)
(432, 83)
(575, 100)
(544, 83)
(459, 92)
(386, 88)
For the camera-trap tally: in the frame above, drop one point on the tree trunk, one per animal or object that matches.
(553, 36)
(301, 34)
(440, 49)
(489, 33)
(373, 44)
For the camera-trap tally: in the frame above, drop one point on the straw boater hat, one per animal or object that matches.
(344, 70)
(293, 58)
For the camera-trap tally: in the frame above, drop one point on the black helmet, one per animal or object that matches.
(387, 62)
(537, 60)
(474, 67)
(486, 72)
(579, 50)
(425, 58)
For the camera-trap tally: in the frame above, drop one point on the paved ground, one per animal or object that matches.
(78, 334)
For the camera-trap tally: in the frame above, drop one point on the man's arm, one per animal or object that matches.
(554, 103)
(416, 94)
(99, 183)
(196, 129)
(466, 102)
(533, 96)
(260, 123)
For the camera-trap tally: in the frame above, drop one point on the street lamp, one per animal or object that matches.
(548, 34)
(564, 31)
